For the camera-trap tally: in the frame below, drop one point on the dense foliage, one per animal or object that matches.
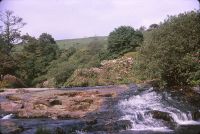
(35, 57)
(123, 39)
(171, 53)
(74, 58)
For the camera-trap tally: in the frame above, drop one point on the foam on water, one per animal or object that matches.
(9, 116)
(137, 109)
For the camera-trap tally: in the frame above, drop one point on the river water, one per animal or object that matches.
(147, 110)
(140, 105)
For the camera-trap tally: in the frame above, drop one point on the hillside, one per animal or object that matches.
(80, 42)
(77, 43)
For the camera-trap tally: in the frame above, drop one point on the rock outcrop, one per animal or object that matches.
(52, 103)
(118, 71)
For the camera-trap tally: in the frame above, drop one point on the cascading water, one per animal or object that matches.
(139, 107)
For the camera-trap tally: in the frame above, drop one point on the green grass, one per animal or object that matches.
(79, 43)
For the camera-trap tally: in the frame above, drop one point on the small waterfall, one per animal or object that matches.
(138, 110)
(9, 116)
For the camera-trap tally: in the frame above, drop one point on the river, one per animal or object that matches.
(136, 111)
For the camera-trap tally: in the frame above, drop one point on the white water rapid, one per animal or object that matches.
(138, 110)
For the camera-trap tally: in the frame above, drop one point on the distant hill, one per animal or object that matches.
(77, 43)
(80, 42)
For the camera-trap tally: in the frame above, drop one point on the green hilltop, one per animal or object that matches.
(80, 42)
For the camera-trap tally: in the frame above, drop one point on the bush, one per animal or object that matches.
(171, 52)
(10, 81)
(3, 84)
(122, 40)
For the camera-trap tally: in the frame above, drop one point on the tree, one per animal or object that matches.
(142, 29)
(123, 39)
(7, 63)
(153, 26)
(27, 39)
(11, 28)
(35, 58)
(171, 52)
(46, 38)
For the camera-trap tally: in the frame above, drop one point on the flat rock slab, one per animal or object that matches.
(55, 103)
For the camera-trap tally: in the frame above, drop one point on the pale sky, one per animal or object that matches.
(83, 18)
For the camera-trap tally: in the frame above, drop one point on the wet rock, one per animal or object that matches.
(91, 122)
(10, 106)
(145, 132)
(162, 115)
(118, 125)
(13, 97)
(106, 95)
(40, 107)
(63, 105)
(70, 94)
(2, 90)
(82, 104)
(196, 115)
(8, 127)
(55, 102)
(59, 130)
(188, 129)
(187, 96)
(165, 117)
(113, 126)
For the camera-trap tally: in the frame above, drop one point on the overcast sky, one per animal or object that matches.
(82, 18)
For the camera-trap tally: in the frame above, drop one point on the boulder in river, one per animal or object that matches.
(164, 116)
(196, 115)
(112, 126)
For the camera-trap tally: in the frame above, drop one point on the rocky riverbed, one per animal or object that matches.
(52, 106)
(98, 110)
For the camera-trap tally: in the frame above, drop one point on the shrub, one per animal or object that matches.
(11, 81)
(171, 52)
(122, 40)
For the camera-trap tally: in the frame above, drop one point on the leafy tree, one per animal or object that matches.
(142, 29)
(123, 39)
(7, 63)
(36, 56)
(9, 35)
(46, 38)
(153, 26)
(26, 39)
(171, 52)
(11, 28)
